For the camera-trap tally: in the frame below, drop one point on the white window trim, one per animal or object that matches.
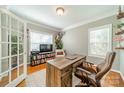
(110, 39)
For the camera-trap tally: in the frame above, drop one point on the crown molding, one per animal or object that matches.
(89, 21)
(43, 25)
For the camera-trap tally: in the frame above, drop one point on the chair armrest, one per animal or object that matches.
(85, 71)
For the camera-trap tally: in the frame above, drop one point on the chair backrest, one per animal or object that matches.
(104, 67)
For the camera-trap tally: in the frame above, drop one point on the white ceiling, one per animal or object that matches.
(74, 14)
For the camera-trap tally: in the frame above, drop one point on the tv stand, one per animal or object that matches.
(38, 58)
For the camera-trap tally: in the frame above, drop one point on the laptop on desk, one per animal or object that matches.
(71, 57)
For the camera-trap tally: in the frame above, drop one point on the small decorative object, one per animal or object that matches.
(60, 53)
(120, 40)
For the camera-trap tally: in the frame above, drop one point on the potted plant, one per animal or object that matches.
(59, 44)
(58, 41)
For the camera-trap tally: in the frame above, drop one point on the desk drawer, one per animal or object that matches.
(66, 70)
(66, 79)
(77, 63)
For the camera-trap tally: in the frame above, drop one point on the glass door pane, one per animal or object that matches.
(5, 20)
(4, 65)
(21, 38)
(4, 79)
(21, 48)
(14, 48)
(14, 74)
(4, 35)
(13, 62)
(4, 49)
(14, 36)
(21, 61)
(21, 69)
(14, 24)
(21, 27)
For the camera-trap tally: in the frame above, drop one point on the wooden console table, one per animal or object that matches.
(59, 71)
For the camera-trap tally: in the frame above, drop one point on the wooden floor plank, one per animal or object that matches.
(32, 69)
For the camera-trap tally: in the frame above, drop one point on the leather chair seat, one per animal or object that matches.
(80, 74)
(86, 77)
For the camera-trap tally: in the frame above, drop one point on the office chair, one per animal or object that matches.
(90, 74)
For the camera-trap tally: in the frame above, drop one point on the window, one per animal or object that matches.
(100, 40)
(39, 38)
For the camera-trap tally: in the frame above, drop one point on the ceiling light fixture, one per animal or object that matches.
(60, 11)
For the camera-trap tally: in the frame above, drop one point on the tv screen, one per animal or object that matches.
(46, 47)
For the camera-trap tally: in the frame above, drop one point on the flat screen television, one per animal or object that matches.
(46, 47)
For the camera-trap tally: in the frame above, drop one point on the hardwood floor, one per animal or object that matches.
(35, 68)
(112, 79)
(5, 80)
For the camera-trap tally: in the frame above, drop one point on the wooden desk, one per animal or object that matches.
(59, 71)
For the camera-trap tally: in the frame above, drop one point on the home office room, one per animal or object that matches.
(62, 45)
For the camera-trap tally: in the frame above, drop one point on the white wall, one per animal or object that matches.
(76, 40)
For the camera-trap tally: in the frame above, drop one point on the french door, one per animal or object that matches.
(12, 49)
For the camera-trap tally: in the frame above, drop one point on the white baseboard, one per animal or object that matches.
(119, 73)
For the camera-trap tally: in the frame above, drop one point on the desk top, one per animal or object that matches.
(63, 62)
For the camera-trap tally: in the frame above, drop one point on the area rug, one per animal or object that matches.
(38, 79)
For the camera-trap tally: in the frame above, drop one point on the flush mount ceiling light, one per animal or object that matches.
(60, 11)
